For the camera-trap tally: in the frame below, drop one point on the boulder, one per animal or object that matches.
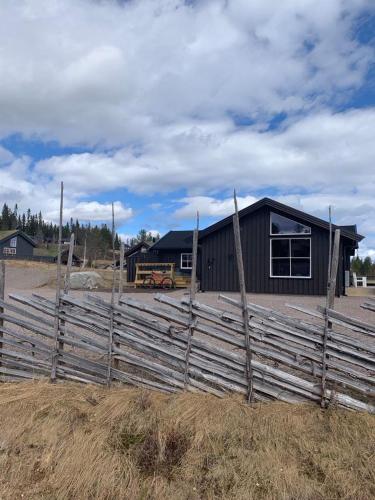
(85, 279)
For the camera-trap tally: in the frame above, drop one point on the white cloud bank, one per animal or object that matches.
(87, 71)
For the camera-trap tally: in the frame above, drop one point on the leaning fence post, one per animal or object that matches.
(111, 314)
(245, 312)
(58, 292)
(2, 297)
(193, 288)
(333, 263)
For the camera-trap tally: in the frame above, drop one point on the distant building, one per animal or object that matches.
(15, 244)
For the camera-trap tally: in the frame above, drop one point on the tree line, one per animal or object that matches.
(97, 239)
(363, 267)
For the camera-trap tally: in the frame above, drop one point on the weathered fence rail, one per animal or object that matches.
(369, 304)
(145, 344)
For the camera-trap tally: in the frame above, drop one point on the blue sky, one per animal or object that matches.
(164, 107)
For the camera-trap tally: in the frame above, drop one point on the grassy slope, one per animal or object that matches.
(72, 441)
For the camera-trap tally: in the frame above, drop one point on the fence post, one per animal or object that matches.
(120, 290)
(111, 314)
(330, 298)
(245, 312)
(56, 328)
(2, 297)
(193, 289)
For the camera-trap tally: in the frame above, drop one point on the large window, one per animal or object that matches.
(283, 225)
(186, 260)
(9, 251)
(290, 258)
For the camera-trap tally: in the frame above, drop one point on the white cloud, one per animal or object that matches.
(321, 151)
(208, 206)
(94, 211)
(84, 71)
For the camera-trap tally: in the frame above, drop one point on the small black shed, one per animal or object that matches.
(15, 244)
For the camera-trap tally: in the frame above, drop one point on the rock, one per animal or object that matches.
(85, 279)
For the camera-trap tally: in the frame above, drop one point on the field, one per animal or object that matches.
(70, 441)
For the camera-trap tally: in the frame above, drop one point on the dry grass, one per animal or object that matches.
(30, 264)
(73, 442)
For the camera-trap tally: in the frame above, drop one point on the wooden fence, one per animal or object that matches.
(174, 345)
(145, 345)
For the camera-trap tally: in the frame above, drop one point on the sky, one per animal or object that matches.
(165, 106)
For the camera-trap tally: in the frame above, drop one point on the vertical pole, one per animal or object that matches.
(58, 290)
(245, 312)
(193, 289)
(333, 260)
(121, 273)
(334, 269)
(69, 265)
(66, 288)
(84, 253)
(120, 289)
(2, 297)
(111, 316)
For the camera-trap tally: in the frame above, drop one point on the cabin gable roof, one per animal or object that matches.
(349, 232)
(7, 235)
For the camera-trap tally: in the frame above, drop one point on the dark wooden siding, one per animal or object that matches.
(24, 248)
(219, 271)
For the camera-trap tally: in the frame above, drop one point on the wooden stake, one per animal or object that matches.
(245, 312)
(2, 297)
(58, 290)
(111, 315)
(193, 288)
(334, 269)
(84, 254)
(69, 265)
(121, 273)
(116, 362)
(333, 261)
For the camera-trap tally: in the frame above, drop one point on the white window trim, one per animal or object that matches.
(290, 259)
(287, 234)
(14, 241)
(186, 267)
(9, 251)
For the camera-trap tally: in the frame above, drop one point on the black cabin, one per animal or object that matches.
(285, 251)
(15, 244)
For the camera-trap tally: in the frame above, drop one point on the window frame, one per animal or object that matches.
(288, 234)
(13, 242)
(191, 260)
(290, 258)
(9, 251)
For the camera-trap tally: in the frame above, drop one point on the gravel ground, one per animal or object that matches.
(27, 279)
